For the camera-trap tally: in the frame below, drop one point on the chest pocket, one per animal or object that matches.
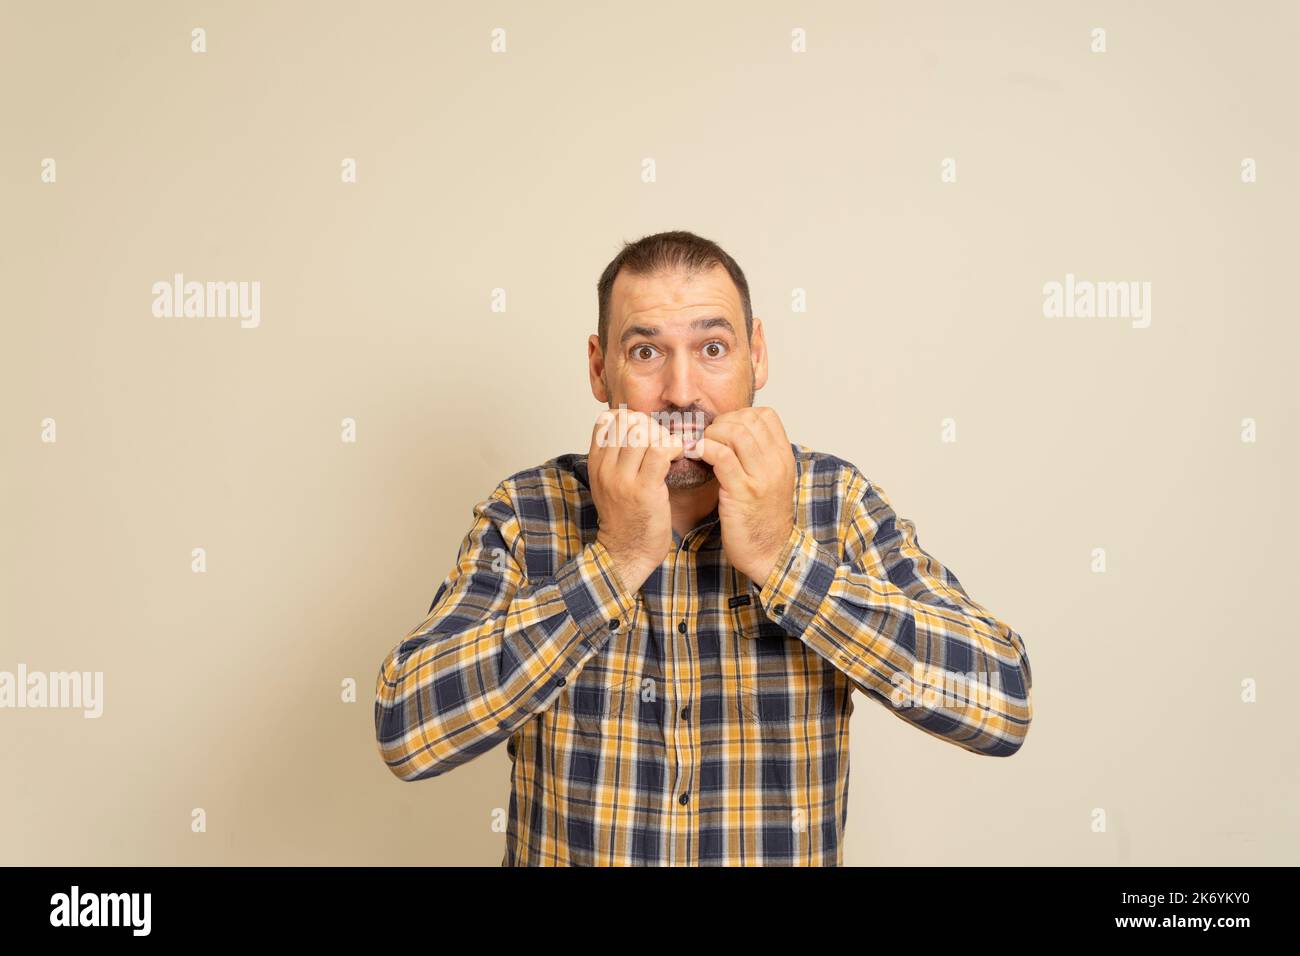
(598, 697)
(782, 682)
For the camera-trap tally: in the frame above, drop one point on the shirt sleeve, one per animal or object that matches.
(902, 628)
(495, 647)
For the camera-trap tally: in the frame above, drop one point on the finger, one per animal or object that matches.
(662, 448)
(740, 438)
(662, 437)
(613, 440)
(600, 430)
(771, 422)
(633, 439)
(748, 417)
(598, 454)
(726, 466)
(765, 424)
(657, 463)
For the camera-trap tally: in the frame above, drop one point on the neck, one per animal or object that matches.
(689, 505)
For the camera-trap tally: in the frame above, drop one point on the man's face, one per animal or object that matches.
(678, 345)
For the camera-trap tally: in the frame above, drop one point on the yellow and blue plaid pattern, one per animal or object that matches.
(703, 720)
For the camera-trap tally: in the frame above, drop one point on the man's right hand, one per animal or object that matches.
(627, 466)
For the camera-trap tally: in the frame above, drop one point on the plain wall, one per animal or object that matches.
(523, 171)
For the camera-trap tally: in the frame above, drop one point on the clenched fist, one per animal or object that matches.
(755, 467)
(627, 466)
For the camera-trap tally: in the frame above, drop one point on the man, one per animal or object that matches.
(667, 630)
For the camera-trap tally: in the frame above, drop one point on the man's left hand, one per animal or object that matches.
(754, 464)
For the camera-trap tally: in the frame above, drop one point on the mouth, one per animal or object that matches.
(689, 428)
(690, 442)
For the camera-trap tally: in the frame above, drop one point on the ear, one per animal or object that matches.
(596, 369)
(758, 354)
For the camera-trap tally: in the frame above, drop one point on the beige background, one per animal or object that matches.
(522, 171)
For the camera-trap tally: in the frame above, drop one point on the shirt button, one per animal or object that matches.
(684, 799)
(686, 713)
(779, 609)
(681, 626)
(561, 682)
(613, 624)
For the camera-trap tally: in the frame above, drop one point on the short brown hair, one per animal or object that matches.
(668, 252)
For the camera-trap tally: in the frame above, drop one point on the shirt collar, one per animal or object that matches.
(709, 519)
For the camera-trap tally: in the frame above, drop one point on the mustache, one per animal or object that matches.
(687, 418)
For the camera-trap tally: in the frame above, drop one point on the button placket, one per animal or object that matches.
(669, 729)
(682, 732)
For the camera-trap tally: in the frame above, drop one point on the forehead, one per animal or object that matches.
(668, 297)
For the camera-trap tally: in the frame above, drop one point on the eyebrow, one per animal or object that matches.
(650, 331)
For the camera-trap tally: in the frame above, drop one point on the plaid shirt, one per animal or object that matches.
(703, 720)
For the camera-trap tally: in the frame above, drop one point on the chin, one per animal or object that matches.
(688, 473)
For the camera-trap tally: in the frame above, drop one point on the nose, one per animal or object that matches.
(680, 388)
